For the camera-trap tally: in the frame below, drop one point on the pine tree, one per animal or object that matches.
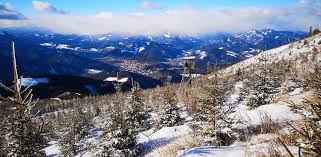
(137, 116)
(239, 74)
(292, 80)
(169, 113)
(126, 125)
(23, 138)
(77, 125)
(309, 138)
(213, 111)
(262, 85)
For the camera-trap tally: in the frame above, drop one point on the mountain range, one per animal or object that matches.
(42, 52)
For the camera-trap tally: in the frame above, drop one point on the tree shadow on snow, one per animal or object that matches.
(151, 145)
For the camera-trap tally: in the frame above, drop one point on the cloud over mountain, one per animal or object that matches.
(182, 20)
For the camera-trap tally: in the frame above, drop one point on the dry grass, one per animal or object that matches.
(281, 99)
(180, 144)
(268, 126)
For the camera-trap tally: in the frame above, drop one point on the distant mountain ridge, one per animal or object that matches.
(40, 51)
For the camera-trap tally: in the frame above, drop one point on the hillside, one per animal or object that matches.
(303, 51)
(254, 105)
(72, 54)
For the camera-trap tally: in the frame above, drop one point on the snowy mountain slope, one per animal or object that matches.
(292, 51)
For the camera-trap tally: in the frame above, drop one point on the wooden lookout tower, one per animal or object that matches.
(189, 64)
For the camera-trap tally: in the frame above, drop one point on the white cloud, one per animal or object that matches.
(7, 12)
(45, 6)
(150, 5)
(186, 20)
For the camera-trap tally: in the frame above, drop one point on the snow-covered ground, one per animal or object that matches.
(152, 141)
(178, 140)
(33, 81)
(288, 52)
(94, 71)
(53, 149)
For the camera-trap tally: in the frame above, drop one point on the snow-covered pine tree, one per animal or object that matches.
(239, 74)
(309, 138)
(126, 124)
(213, 111)
(262, 85)
(137, 116)
(169, 111)
(292, 80)
(23, 138)
(76, 127)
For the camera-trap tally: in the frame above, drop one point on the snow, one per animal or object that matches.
(231, 53)
(249, 55)
(62, 46)
(33, 81)
(168, 35)
(189, 58)
(115, 79)
(192, 75)
(212, 152)
(110, 48)
(151, 141)
(111, 79)
(141, 49)
(102, 38)
(65, 46)
(202, 54)
(52, 150)
(278, 113)
(94, 71)
(296, 49)
(48, 44)
(93, 50)
(122, 80)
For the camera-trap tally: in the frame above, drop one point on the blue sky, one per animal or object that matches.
(84, 7)
(160, 16)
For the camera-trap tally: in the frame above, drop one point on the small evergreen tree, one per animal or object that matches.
(169, 113)
(137, 116)
(126, 125)
(292, 80)
(213, 111)
(239, 74)
(23, 139)
(261, 86)
(77, 125)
